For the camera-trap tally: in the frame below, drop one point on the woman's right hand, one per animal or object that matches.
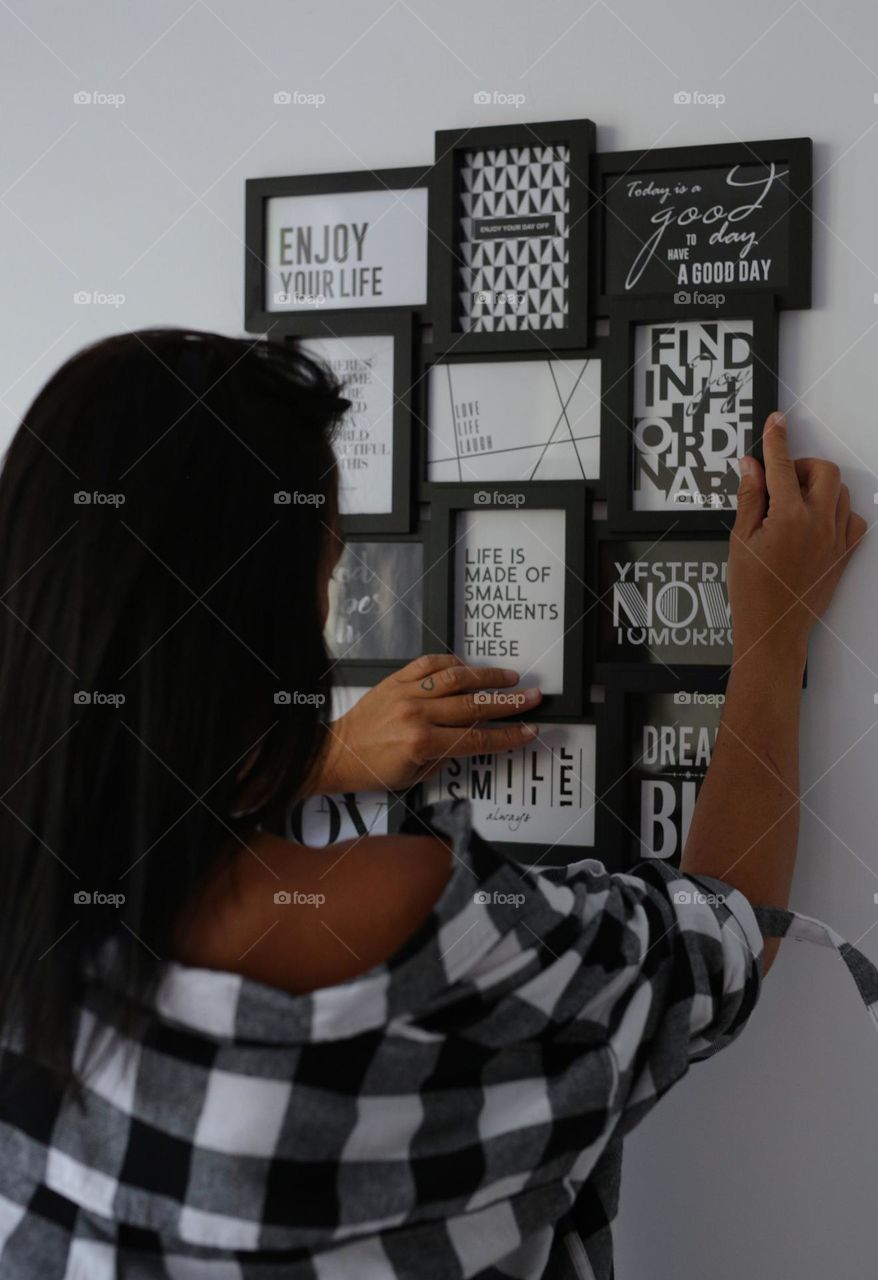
(785, 565)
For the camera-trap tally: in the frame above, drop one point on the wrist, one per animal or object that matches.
(775, 655)
(328, 775)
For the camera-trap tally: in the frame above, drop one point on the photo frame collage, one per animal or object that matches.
(554, 358)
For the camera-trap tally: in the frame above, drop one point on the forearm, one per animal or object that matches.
(746, 823)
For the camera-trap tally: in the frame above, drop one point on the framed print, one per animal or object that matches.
(323, 820)
(376, 605)
(371, 355)
(334, 242)
(663, 611)
(689, 388)
(509, 243)
(513, 417)
(508, 578)
(660, 743)
(731, 216)
(539, 801)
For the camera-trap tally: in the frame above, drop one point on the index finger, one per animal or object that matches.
(480, 740)
(780, 470)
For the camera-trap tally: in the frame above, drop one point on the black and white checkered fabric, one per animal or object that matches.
(456, 1112)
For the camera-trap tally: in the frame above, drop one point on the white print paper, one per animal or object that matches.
(323, 820)
(509, 577)
(542, 793)
(693, 413)
(346, 250)
(514, 420)
(364, 439)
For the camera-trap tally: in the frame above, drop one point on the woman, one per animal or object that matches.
(403, 1056)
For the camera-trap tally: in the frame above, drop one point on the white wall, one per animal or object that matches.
(763, 1162)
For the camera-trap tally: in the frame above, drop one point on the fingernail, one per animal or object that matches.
(531, 695)
(777, 419)
(747, 465)
(510, 676)
(530, 730)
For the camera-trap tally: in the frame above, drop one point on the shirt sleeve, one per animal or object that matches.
(683, 956)
(663, 968)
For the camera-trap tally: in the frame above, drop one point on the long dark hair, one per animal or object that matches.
(165, 507)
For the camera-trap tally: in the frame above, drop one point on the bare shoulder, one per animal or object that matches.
(299, 918)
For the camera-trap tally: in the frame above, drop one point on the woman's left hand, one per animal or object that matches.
(429, 711)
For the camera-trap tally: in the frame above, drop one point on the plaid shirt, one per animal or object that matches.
(455, 1112)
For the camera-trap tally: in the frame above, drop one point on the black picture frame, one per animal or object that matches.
(349, 670)
(619, 402)
(478, 774)
(622, 246)
(431, 359)
(260, 318)
(397, 324)
(623, 795)
(444, 256)
(571, 498)
(638, 672)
